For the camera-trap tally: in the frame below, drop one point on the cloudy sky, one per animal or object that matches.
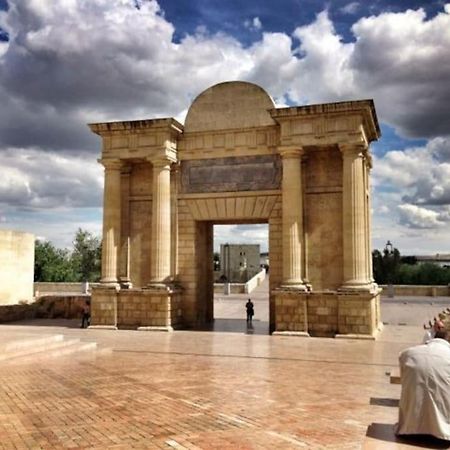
(65, 63)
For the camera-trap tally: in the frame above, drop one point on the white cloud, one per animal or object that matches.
(254, 24)
(350, 8)
(402, 60)
(241, 234)
(69, 63)
(421, 174)
(416, 217)
(35, 180)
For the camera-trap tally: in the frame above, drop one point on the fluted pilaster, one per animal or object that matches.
(111, 221)
(292, 212)
(355, 219)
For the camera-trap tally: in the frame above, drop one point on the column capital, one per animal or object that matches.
(291, 151)
(111, 164)
(166, 156)
(353, 149)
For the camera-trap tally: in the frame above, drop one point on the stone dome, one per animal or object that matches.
(229, 105)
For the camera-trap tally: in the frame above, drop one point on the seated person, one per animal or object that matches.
(425, 399)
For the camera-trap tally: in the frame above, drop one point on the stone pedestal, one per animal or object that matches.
(328, 313)
(104, 307)
(142, 309)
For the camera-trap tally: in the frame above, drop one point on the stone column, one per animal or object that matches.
(161, 223)
(368, 166)
(124, 273)
(175, 174)
(111, 221)
(355, 226)
(292, 216)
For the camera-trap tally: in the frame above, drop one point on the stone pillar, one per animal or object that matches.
(292, 216)
(111, 221)
(124, 272)
(355, 226)
(161, 223)
(369, 217)
(174, 211)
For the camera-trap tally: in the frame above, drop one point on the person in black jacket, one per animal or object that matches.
(250, 310)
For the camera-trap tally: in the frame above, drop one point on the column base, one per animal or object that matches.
(105, 282)
(291, 333)
(167, 329)
(352, 286)
(102, 327)
(160, 286)
(125, 283)
(296, 287)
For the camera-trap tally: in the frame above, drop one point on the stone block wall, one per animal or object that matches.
(104, 307)
(356, 314)
(327, 313)
(322, 313)
(290, 312)
(16, 267)
(145, 308)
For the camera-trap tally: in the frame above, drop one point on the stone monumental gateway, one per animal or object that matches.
(303, 170)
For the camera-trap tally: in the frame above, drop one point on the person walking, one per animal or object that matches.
(250, 310)
(86, 314)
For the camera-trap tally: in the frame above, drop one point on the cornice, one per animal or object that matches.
(132, 126)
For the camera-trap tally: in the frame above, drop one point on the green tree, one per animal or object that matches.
(86, 256)
(52, 264)
(386, 266)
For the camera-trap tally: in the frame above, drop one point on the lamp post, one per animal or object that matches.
(226, 257)
(389, 252)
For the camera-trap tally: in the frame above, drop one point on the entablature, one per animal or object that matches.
(353, 122)
(228, 143)
(137, 138)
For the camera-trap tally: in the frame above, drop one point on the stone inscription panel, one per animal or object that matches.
(247, 173)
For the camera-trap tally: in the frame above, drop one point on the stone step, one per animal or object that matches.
(71, 347)
(23, 345)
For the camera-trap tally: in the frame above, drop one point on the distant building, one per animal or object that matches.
(16, 267)
(441, 259)
(239, 262)
(264, 259)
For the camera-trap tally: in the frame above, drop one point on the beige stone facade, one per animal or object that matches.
(238, 159)
(16, 267)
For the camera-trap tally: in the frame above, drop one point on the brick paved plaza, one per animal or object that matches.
(232, 389)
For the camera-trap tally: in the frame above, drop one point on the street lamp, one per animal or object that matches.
(226, 257)
(389, 248)
(389, 252)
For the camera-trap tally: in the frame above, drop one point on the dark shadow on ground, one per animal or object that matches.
(384, 401)
(386, 432)
(237, 326)
(57, 322)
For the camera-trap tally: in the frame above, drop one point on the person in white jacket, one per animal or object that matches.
(425, 398)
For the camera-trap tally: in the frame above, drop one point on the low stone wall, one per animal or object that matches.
(242, 288)
(235, 288)
(47, 307)
(13, 313)
(44, 288)
(418, 290)
(254, 282)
